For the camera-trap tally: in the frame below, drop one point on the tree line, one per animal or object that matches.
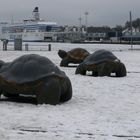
(135, 23)
(118, 28)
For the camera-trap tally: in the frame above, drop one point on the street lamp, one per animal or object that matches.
(86, 14)
(80, 19)
(86, 22)
(131, 32)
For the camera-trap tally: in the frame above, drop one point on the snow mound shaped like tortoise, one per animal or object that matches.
(75, 56)
(35, 75)
(102, 63)
(1, 63)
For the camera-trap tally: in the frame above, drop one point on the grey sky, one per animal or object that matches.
(67, 12)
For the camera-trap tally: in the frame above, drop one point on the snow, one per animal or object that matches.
(102, 108)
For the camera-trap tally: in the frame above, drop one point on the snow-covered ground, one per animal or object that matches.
(102, 108)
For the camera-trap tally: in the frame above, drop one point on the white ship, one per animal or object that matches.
(30, 30)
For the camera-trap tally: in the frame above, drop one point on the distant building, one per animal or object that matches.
(71, 34)
(103, 33)
(126, 34)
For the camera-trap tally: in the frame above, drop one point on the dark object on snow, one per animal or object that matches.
(1, 63)
(18, 44)
(5, 43)
(75, 56)
(35, 75)
(102, 63)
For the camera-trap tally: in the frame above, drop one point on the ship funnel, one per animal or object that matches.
(36, 14)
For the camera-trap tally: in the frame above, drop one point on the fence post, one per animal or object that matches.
(18, 44)
(26, 47)
(49, 47)
(5, 42)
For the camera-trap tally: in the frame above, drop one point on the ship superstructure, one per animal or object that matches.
(33, 29)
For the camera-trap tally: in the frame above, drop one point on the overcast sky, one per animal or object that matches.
(67, 12)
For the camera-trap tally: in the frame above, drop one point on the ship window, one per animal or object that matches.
(48, 28)
(42, 28)
(5, 29)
